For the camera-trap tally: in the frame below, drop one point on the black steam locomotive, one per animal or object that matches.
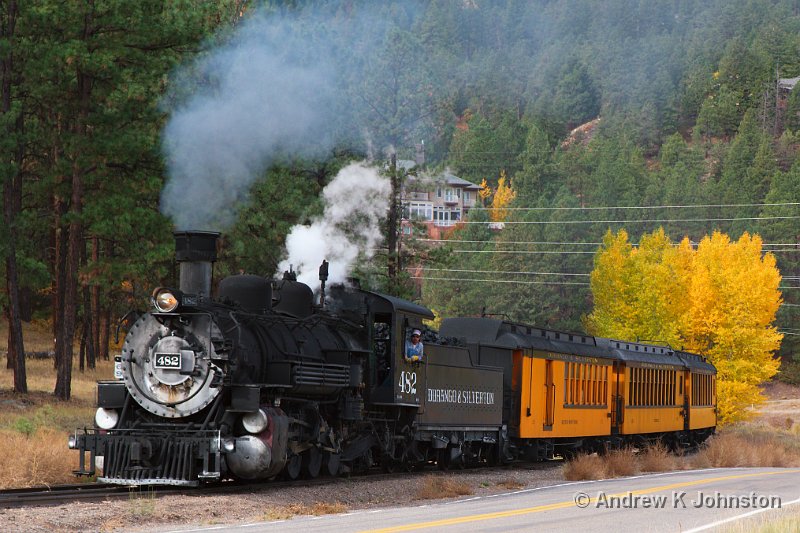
(264, 380)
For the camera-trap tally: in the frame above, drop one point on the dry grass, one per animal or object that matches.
(510, 484)
(142, 504)
(41, 376)
(39, 423)
(777, 521)
(298, 509)
(749, 445)
(657, 458)
(621, 462)
(45, 461)
(436, 487)
(584, 466)
(37, 335)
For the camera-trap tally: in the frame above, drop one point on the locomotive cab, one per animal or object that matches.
(391, 378)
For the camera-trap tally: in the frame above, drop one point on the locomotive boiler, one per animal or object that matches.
(261, 380)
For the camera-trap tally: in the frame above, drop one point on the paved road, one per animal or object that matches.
(681, 501)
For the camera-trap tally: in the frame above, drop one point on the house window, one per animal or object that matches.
(443, 216)
(450, 195)
(466, 196)
(420, 210)
(438, 192)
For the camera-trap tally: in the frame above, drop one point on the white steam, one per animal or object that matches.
(356, 202)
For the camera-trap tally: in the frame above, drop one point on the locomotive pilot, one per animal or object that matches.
(414, 347)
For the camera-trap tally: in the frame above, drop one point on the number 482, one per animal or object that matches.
(408, 382)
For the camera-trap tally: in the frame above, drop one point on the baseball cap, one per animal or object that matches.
(416, 332)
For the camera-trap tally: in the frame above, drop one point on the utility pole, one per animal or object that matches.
(777, 99)
(392, 240)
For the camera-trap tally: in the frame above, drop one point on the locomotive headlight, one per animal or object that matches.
(106, 418)
(165, 300)
(255, 422)
(72, 442)
(229, 445)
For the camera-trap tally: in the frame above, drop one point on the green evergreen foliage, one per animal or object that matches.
(487, 146)
(720, 113)
(785, 188)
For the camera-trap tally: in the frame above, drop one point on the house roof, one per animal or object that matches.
(788, 83)
(455, 181)
(449, 179)
(406, 164)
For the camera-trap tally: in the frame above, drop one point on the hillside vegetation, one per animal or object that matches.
(689, 131)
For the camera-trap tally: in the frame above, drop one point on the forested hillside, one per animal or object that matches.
(690, 131)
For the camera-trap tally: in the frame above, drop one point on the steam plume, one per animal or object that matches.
(356, 202)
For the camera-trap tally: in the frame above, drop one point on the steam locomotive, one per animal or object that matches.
(265, 380)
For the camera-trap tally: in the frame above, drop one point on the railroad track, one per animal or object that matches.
(60, 494)
(90, 492)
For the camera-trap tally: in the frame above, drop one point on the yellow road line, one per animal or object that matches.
(564, 505)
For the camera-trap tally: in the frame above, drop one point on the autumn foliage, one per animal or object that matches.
(719, 300)
(501, 197)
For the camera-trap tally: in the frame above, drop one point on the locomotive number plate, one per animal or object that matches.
(168, 360)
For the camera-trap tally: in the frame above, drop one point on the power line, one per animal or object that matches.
(503, 272)
(554, 274)
(514, 242)
(521, 252)
(629, 221)
(530, 282)
(504, 281)
(528, 273)
(545, 252)
(600, 208)
(555, 243)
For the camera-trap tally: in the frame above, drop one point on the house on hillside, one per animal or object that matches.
(440, 203)
(787, 84)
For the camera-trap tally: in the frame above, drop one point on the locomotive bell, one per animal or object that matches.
(196, 251)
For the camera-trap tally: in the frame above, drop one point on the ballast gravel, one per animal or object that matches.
(145, 512)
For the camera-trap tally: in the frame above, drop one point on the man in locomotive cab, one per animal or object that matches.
(414, 347)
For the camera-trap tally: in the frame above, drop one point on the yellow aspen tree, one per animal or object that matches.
(719, 301)
(613, 314)
(502, 197)
(637, 290)
(734, 299)
(485, 193)
(659, 277)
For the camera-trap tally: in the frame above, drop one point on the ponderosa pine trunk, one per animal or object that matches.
(12, 204)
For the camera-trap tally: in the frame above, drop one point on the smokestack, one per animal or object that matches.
(196, 252)
(419, 157)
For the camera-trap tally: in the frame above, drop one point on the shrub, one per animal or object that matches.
(435, 487)
(789, 372)
(584, 466)
(45, 460)
(621, 462)
(657, 458)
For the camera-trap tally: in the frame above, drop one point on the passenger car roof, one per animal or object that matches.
(505, 334)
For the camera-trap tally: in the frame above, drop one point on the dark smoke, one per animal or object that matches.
(282, 87)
